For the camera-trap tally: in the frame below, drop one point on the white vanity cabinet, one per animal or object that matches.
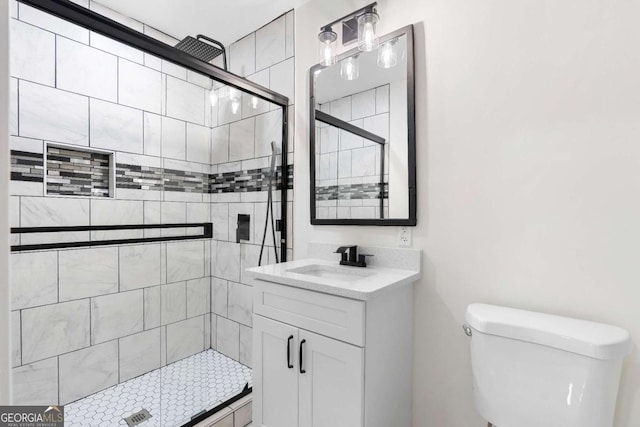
(326, 391)
(327, 360)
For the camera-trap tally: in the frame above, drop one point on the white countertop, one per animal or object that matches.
(373, 281)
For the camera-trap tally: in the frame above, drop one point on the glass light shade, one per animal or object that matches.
(350, 68)
(387, 55)
(367, 37)
(327, 47)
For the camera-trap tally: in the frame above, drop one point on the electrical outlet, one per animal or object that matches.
(404, 237)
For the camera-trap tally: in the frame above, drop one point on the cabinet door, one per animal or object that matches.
(331, 382)
(275, 380)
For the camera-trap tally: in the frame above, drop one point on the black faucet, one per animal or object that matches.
(351, 257)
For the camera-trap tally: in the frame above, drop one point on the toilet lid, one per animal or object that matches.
(592, 339)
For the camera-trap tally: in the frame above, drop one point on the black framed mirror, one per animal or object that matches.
(363, 148)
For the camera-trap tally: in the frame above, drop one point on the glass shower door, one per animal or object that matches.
(156, 187)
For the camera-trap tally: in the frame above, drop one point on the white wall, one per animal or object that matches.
(528, 173)
(5, 344)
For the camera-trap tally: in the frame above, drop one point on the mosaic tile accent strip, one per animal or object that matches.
(66, 176)
(172, 394)
(246, 181)
(27, 166)
(352, 192)
(289, 177)
(135, 177)
(73, 172)
(186, 182)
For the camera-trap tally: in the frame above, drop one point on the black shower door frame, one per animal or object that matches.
(100, 24)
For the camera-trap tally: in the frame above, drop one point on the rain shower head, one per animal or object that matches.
(203, 50)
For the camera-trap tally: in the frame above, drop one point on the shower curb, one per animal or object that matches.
(237, 414)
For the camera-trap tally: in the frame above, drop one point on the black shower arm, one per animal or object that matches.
(220, 45)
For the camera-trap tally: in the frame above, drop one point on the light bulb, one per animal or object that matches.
(368, 34)
(234, 97)
(213, 97)
(327, 54)
(387, 55)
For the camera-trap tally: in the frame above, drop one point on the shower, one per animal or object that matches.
(128, 283)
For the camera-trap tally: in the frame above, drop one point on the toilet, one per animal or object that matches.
(533, 369)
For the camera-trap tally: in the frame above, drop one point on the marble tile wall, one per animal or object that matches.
(73, 301)
(241, 147)
(86, 319)
(348, 166)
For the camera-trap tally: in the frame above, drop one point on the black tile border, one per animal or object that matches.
(207, 233)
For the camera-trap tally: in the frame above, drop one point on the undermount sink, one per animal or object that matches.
(332, 278)
(340, 273)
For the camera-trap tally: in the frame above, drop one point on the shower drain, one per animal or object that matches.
(137, 418)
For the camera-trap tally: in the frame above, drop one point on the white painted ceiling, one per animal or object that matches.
(223, 20)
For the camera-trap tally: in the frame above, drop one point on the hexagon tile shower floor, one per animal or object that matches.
(186, 387)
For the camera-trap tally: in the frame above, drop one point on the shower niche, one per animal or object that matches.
(131, 163)
(71, 171)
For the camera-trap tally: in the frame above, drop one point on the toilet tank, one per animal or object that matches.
(533, 369)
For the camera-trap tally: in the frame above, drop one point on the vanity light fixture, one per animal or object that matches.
(359, 26)
(387, 54)
(350, 68)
